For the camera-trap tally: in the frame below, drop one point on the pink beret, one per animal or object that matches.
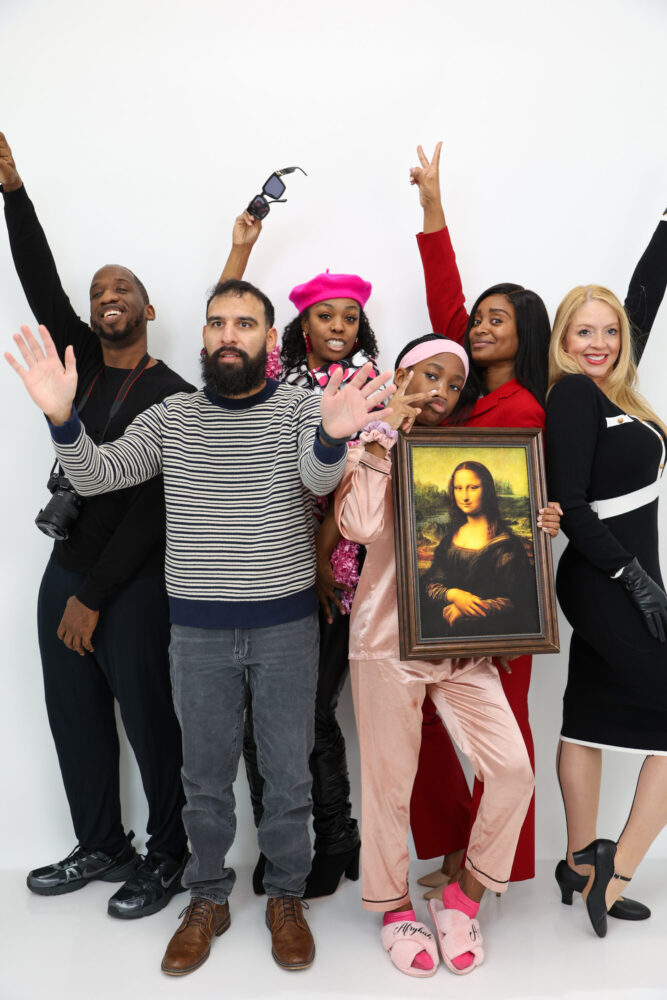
(331, 286)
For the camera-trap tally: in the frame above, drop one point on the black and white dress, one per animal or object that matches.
(605, 467)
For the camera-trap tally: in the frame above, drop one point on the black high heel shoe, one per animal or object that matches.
(600, 854)
(570, 882)
(327, 871)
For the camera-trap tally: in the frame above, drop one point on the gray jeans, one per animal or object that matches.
(209, 672)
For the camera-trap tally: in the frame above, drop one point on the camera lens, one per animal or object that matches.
(60, 513)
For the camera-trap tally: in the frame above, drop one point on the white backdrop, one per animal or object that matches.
(141, 128)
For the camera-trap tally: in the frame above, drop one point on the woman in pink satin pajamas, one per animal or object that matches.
(388, 695)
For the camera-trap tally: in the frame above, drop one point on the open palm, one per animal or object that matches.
(345, 408)
(51, 384)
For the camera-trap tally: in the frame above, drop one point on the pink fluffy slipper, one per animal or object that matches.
(457, 934)
(404, 938)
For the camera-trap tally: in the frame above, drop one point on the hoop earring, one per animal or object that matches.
(307, 342)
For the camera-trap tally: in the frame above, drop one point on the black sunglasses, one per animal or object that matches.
(273, 189)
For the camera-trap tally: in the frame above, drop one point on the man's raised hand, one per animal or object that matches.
(345, 408)
(246, 230)
(9, 175)
(51, 385)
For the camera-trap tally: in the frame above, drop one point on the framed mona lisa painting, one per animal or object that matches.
(474, 572)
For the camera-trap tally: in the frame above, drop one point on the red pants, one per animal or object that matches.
(442, 810)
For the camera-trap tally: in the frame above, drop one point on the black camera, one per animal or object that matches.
(62, 509)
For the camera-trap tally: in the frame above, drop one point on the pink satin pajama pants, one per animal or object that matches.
(388, 697)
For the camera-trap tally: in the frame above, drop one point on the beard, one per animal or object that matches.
(233, 380)
(117, 336)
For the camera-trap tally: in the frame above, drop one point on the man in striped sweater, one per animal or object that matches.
(241, 461)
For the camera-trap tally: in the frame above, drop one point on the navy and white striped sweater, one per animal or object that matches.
(239, 478)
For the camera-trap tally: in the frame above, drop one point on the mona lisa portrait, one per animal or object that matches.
(474, 573)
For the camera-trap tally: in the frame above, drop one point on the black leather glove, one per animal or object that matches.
(650, 599)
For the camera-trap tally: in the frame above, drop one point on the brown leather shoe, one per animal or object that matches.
(190, 946)
(292, 943)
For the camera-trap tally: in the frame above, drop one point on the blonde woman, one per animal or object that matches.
(606, 452)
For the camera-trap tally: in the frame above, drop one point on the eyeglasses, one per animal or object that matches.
(271, 193)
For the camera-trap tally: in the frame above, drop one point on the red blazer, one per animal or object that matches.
(511, 405)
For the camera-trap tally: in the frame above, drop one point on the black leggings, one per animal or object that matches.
(335, 830)
(130, 664)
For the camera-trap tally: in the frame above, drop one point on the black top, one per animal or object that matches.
(595, 452)
(119, 535)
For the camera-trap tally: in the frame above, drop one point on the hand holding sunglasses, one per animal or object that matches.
(272, 192)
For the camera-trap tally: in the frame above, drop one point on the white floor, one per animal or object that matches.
(67, 947)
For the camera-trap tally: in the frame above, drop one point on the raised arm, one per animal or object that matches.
(444, 294)
(36, 268)
(244, 236)
(647, 287)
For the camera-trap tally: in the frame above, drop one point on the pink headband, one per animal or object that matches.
(429, 348)
(331, 286)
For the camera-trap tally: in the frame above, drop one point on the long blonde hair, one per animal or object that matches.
(621, 386)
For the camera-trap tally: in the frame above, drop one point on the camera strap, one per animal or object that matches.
(121, 395)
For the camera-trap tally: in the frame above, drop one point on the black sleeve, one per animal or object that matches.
(140, 530)
(573, 424)
(647, 288)
(38, 275)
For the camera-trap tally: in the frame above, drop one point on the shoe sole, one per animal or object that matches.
(147, 911)
(192, 968)
(116, 875)
(294, 967)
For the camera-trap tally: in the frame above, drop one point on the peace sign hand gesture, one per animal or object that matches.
(427, 177)
(405, 409)
(51, 385)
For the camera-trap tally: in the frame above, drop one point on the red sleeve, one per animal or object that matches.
(444, 294)
(523, 410)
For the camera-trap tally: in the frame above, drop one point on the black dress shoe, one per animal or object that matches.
(82, 866)
(155, 880)
(328, 869)
(570, 881)
(600, 853)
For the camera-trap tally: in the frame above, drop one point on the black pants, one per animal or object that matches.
(335, 830)
(130, 664)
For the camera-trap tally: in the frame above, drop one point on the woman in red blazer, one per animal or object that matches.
(507, 337)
